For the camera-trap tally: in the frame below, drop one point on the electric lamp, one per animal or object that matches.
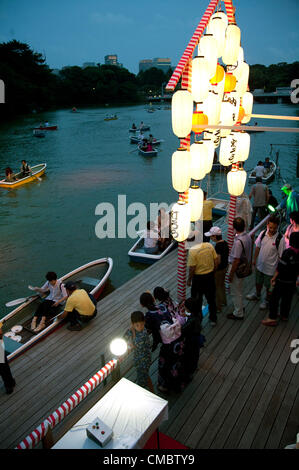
(236, 180)
(180, 221)
(212, 107)
(181, 113)
(198, 119)
(200, 78)
(195, 201)
(118, 347)
(207, 47)
(198, 160)
(228, 150)
(217, 27)
(232, 44)
(247, 103)
(230, 82)
(242, 83)
(181, 170)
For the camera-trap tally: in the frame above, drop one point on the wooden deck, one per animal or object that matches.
(245, 393)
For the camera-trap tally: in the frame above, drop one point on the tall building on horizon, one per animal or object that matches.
(111, 59)
(160, 63)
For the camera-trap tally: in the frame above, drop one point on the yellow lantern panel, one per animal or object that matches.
(219, 75)
(199, 119)
(230, 82)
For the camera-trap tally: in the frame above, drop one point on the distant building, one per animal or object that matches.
(88, 64)
(112, 60)
(161, 64)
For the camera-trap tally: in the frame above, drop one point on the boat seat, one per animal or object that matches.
(91, 281)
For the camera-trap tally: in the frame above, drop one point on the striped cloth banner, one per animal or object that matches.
(191, 46)
(57, 416)
(230, 11)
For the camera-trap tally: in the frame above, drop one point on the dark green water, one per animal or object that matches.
(50, 225)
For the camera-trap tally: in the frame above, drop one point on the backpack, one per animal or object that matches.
(278, 238)
(169, 332)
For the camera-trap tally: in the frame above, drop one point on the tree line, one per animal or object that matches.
(30, 84)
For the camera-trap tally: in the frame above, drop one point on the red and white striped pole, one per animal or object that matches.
(40, 432)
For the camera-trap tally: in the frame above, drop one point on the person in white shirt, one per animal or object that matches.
(269, 248)
(260, 195)
(151, 239)
(260, 170)
(57, 295)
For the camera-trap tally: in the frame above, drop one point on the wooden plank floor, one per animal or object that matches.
(245, 393)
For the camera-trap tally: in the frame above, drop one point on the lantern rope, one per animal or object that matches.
(273, 116)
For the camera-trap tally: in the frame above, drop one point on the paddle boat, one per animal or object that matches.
(138, 255)
(46, 128)
(135, 140)
(150, 153)
(36, 172)
(18, 336)
(269, 175)
(111, 118)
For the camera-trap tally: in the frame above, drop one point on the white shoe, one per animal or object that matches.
(252, 296)
(264, 305)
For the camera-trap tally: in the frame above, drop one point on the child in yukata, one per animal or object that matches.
(139, 339)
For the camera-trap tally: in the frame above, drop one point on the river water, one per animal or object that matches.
(49, 225)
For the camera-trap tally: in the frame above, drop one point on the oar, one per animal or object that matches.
(12, 303)
(134, 150)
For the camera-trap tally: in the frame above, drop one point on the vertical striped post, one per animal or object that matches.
(182, 252)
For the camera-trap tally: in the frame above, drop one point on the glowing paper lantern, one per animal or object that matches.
(207, 47)
(231, 45)
(236, 180)
(236, 69)
(195, 202)
(222, 16)
(228, 150)
(241, 114)
(242, 83)
(217, 27)
(181, 170)
(219, 75)
(247, 103)
(181, 112)
(212, 107)
(200, 79)
(199, 119)
(230, 82)
(214, 136)
(180, 221)
(209, 144)
(198, 160)
(243, 146)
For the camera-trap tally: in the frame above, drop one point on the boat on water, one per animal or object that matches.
(39, 133)
(150, 153)
(19, 337)
(46, 128)
(220, 206)
(136, 140)
(36, 172)
(111, 118)
(145, 128)
(268, 176)
(138, 255)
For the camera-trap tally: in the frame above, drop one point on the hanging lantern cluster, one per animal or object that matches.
(218, 95)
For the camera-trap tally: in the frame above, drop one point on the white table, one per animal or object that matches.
(132, 412)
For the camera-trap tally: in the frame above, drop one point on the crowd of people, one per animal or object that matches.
(274, 260)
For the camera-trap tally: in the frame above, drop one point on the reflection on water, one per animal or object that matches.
(50, 225)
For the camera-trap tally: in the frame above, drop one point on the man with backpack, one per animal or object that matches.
(269, 248)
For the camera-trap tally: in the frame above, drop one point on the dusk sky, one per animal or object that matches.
(71, 32)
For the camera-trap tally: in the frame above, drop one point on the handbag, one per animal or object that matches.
(244, 268)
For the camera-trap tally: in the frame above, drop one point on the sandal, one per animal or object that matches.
(33, 324)
(40, 327)
(269, 322)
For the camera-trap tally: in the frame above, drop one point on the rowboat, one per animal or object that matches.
(138, 255)
(145, 128)
(112, 118)
(38, 133)
(136, 140)
(220, 206)
(46, 128)
(133, 129)
(151, 153)
(91, 276)
(268, 176)
(36, 172)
